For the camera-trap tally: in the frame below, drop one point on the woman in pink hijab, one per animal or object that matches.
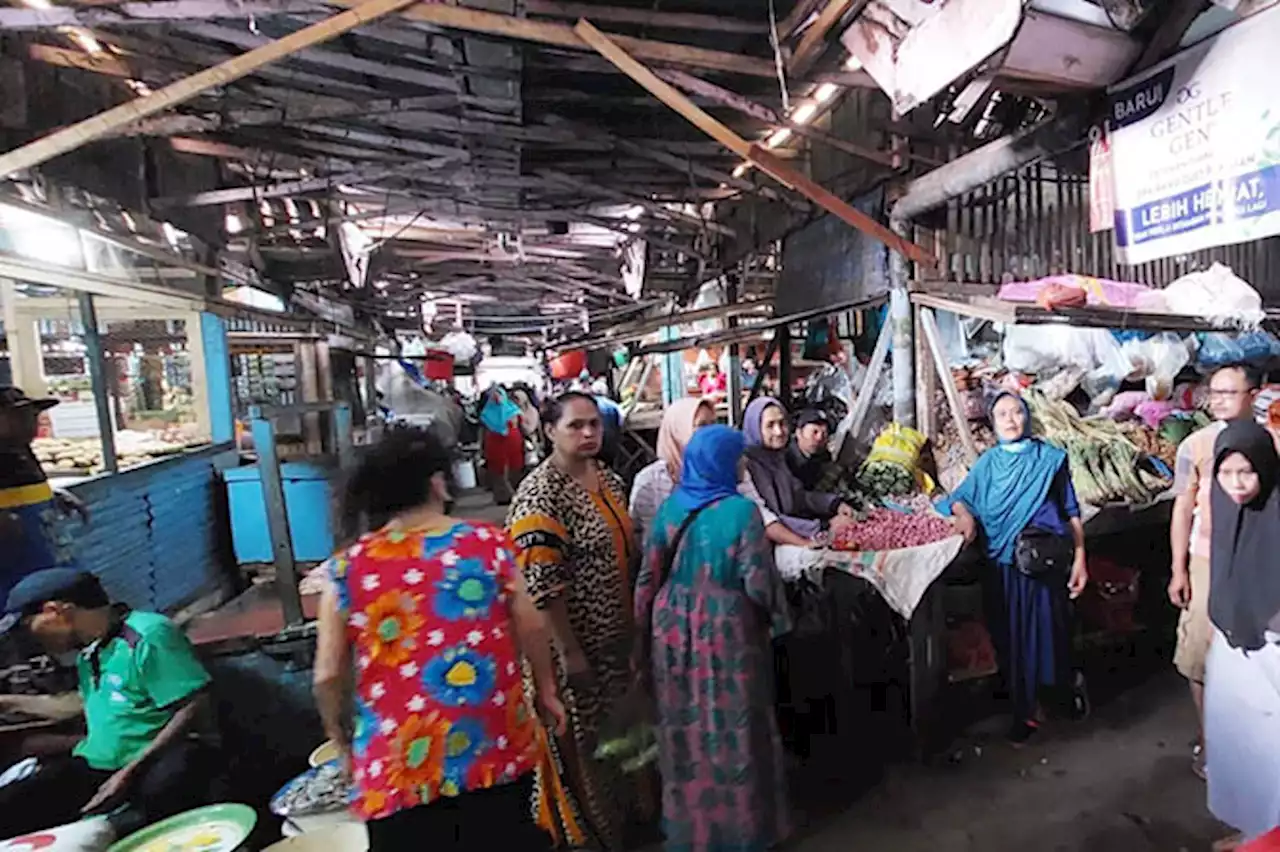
(654, 484)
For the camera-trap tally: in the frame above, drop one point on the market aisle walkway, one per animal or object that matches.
(1119, 783)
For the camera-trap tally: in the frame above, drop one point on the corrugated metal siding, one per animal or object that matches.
(1036, 223)
(157, 538)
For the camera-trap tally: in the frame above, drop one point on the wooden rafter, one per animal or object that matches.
(70, 138)
(643, 17)
(560, 35)
(718, 94)
(765, 160)
(814, 38)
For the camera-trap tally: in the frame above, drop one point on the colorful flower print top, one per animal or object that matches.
(439, 707)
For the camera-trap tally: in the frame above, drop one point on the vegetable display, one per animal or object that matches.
(1104, 462)
(886, 529)
(884, 479)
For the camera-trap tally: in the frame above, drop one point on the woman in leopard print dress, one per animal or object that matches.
(576, 548)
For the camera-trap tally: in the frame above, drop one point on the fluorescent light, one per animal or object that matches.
(85, 39)
(826, 92)
(741, 169)
(854, 64)
(779, 136)
(804, 112)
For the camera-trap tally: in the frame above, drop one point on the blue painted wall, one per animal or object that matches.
(217, 365)
(158, 536)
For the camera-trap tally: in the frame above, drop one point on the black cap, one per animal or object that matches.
(810, 416)
(14, 397)
(52, 584)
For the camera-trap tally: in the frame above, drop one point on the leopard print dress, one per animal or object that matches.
(578, 546)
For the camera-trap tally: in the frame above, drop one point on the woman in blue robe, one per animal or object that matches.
(1020, 484)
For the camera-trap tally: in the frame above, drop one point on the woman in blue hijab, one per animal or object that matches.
(1023, 485)
(708, 601)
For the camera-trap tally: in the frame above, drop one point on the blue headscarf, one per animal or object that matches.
(1007, 485)
(710, 467)
(498, 412)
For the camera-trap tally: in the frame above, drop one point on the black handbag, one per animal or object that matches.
(1042, 554)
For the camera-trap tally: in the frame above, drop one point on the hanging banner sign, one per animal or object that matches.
(1195, 146)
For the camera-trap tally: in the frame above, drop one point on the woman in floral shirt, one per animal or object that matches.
(425, 622)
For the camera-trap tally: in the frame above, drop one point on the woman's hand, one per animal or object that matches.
(964, 523)
(1079, 575)
(552, 710)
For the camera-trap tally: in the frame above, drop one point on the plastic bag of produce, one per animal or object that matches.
(1259, 346)
(893, 465)
(1217, 349)
(1036, 349)
(1218, 295)
(1113, 367)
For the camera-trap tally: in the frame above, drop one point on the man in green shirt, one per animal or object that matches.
(143, 691)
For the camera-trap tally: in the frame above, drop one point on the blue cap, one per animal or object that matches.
(52, 584)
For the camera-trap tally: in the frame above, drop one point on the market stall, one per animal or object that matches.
(1112, 380)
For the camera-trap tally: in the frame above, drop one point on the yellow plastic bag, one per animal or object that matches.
(901, 445)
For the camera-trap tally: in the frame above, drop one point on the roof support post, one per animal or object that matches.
(902, 327)
(70, 138)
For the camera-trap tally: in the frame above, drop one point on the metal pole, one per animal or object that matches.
(734, 292)
(783, 334)
(264, 442)
(900, 322)
(98, 380)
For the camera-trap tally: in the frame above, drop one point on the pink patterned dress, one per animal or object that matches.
(723, 784)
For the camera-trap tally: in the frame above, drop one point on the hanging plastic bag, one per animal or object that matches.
(1158, 359)
(1259, 347)
(1040, 348)
(1113, 368)
(1217, 349)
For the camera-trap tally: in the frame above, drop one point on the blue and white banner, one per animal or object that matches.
(1195, 146)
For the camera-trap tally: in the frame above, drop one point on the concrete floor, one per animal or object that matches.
(1120, 782)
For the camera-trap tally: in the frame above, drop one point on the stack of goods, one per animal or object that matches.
(1105, 465)
(948, 450)
(83, 456)
(892, 467)
(889, 529)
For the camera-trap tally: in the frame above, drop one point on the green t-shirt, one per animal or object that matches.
(142, 674)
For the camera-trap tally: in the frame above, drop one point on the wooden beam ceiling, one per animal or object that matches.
(70, 138)
(559, 35)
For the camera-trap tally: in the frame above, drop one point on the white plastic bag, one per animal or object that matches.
(1041, 348)
(1218, 295)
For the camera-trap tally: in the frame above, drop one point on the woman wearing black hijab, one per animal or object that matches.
(1242, 689)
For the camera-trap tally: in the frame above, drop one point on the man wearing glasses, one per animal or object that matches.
(1232, 389)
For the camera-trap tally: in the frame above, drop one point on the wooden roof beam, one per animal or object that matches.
(288, 113)
(814, 39)
(138, 14)
(662, 211)
(81, 133)
(763, 159)
(676, 163)
(560, 35)
(746, 106)
(655, 18)
(328, 58)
